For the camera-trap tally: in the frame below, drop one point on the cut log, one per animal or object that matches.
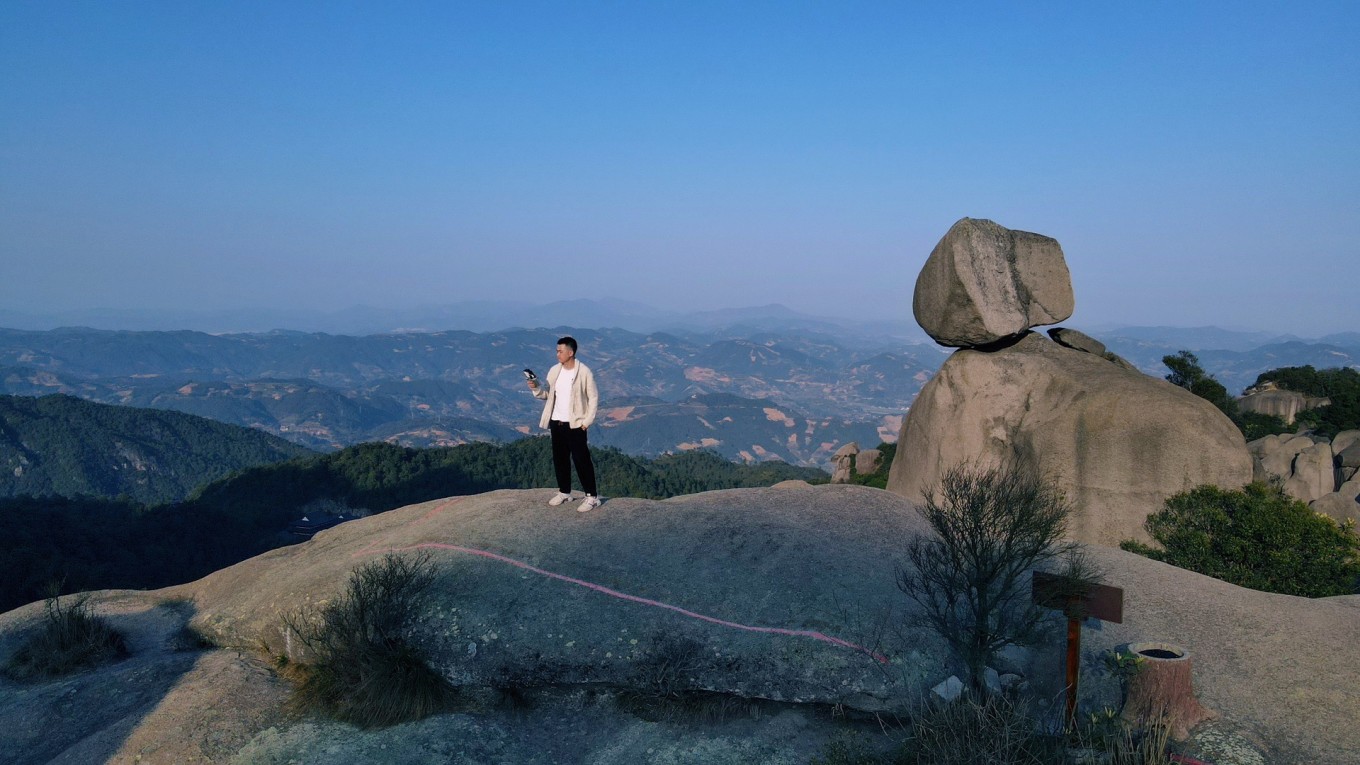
(1162, 692)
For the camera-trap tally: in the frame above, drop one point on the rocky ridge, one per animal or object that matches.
(782, 600)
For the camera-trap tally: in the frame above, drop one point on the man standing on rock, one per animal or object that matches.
(567, 416)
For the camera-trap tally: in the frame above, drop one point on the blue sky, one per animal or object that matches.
(1199, 162)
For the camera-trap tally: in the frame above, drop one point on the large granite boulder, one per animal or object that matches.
(1343, 504)
(1313, 474)
(1274, 455)
(1117, 442)
(984, 282)
(1344, 440)
(868, 461)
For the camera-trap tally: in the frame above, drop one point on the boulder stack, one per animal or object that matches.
(842, 461)
(1116, 441)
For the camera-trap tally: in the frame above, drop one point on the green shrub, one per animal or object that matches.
(1187, 373)
(1108, 739)
(364, 669)
(971, 578)
(980, 730)
(1001, 730)
(71, 638)
(1256, 537)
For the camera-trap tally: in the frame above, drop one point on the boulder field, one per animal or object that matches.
(782, 601)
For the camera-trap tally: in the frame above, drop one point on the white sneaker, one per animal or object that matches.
(559, 499)
(589, 503)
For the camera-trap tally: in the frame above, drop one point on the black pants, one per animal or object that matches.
(568, 446)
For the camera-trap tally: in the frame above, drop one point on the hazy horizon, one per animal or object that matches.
(1198, 163)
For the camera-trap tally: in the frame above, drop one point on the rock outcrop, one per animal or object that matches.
(1313, 475)
(842, 461)
(984, 282)
(1313, 470)
(1079, 341)
(868, 461)
(747, 579)
(1277, 402)
(1117, 442)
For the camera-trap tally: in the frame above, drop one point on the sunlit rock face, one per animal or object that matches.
(984, 282)
(1117, 442)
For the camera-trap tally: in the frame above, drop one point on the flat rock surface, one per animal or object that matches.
(769, 588)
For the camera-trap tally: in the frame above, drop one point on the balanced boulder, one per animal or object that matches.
(1117, 442)
(842, 461)
(984, 282)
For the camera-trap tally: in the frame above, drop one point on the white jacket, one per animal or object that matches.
(585, 398)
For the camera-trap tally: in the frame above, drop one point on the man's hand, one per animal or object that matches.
(533, 385)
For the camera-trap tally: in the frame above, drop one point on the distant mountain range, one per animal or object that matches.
(472, 316)
(796, 395)
(751, 384)
(61, 445)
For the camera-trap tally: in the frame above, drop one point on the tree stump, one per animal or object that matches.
(1162, 692)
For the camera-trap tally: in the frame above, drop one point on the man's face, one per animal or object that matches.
(564, 353)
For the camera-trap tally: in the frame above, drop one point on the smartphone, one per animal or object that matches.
(529, 375)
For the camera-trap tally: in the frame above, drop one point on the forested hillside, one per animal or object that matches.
(66, 446)
(95, 544)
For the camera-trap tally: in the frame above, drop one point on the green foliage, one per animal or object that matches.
(1256, 425)
(365, 669)
(100, 543)
(1123, 666)
(71, 638)
(65, 446)
(1341, 385)
(1256, 537)
(1000, 730)
(1187, 373)
(1113, 741)
(992, 526)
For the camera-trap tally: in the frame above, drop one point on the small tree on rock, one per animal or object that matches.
(993, 526)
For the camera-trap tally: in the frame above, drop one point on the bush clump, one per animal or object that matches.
(971, 578)
(1000, 730)
(1257, 537)
(365, 669)
(71, 638)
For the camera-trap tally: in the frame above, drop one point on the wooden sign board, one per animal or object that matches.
(1101, 601)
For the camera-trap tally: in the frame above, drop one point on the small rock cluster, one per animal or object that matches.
(864, 461)
(1325, 474)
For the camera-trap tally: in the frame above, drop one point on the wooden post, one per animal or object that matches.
(1162, 692)
(1095, 601)
(1073, 667)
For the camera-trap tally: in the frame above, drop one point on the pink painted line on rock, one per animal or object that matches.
(815, 635)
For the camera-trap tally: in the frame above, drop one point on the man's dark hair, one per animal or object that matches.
(568, 341)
